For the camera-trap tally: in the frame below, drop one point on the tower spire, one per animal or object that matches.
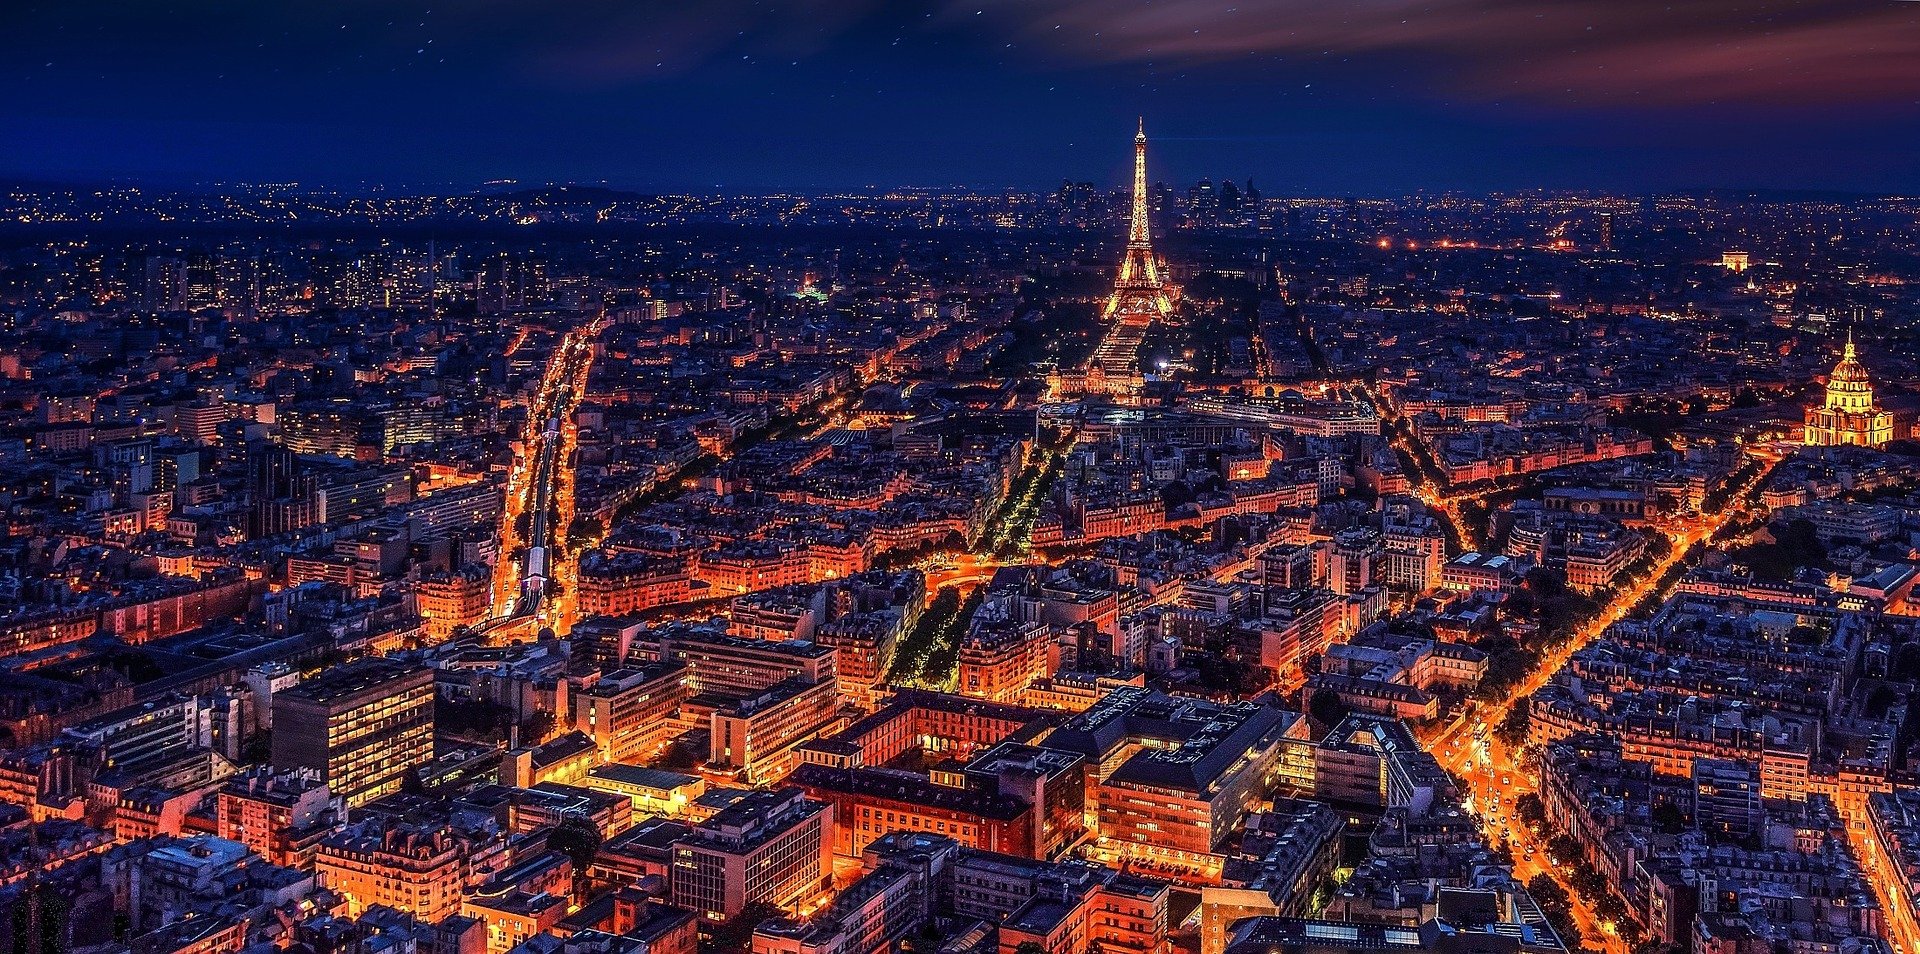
(1139, 291)
(1137, 235)
(1140, 295)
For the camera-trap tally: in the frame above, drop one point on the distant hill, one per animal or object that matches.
(1769, 196)
(567, 195)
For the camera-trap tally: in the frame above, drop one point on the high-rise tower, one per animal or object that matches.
(1139, 292)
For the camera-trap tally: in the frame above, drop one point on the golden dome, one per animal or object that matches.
(1849, 370)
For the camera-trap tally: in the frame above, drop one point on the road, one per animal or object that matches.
(1496, 775)
(965, 570)
(1494, 783)
(537, 588)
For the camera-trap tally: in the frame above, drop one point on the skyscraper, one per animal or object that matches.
(166, 285)
(203, 280)
(281, 497)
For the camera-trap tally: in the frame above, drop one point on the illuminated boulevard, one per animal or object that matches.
(1496, 774)
(1046, 477)
(533, 583)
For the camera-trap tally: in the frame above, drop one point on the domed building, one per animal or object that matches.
(1850, 416)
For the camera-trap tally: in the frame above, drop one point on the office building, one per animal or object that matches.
(361, 726)
(769, 847)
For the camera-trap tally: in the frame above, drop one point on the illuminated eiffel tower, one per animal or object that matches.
(1139, 293)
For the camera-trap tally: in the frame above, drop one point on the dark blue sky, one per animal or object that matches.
(1305, 96)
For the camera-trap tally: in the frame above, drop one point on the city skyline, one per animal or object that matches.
(1218, 546)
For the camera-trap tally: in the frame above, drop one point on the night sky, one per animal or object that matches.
(1321, 97)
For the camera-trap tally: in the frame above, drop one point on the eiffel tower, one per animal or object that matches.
(1139, 293)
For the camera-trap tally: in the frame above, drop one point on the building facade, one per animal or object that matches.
(1850, 414)
(770, 847)
(361, 726)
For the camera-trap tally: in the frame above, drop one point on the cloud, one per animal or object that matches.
(1598, 52)
(1593, 53)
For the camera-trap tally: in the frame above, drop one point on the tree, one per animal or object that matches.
(535, 728)
(1547, 893)
(737, 933)
(1669, 818)
(1794, 545)
(1907, 665)
(677, 758)
(1174, 494)
(1879, 700)
(1557, 905)
(1557, 609)
(1029, 947)
(1546, 583)
(578, 839)
(584, 530)
(1505, 669)
(1513, 727)
(944, 655)
(1529, 809)
(257, 748)
(913, 651)
(1326, 707)
(1803, 637)
(472, 717)
(1570, 935)
(1476, 522)
(1564, 849)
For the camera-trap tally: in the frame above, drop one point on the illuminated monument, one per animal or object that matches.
(1850, 415)
(1141, 296)
(1139, 290)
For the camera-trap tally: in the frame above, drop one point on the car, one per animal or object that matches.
(1506, 780)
